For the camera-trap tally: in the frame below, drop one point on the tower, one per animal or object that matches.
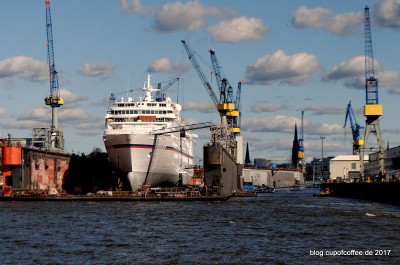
(247, 160)
(295, 149)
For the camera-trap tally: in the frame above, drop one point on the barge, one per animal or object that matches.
(385, 192)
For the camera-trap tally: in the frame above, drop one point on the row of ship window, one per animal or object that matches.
(116, 112)
(134, 120)
(141, 104)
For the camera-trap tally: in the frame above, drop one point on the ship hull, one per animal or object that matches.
(149, 159)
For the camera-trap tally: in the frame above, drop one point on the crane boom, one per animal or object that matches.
(355, 129)
(371, 84)
(185, 127)
(163, 89)
(203, 78)
(225, 89)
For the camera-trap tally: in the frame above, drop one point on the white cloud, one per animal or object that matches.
(2, 112)
(75, 114)
(37, 114)
(348, 69)
(353, 73)
(165, 65)
(285, 124)
(188, 16)
(268, 107)
(200, 106)
(342, 24)
(102, 69)
(135, 7)
(16, 124)
(387, 13)
(325, 110)
(388, 78)
(65, 115)
(24, 67)
(278, 123)
(238, 29)
(281, 68)
(69, 97)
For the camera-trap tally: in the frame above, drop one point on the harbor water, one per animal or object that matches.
(279, 228)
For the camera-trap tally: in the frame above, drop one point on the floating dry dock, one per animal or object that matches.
(155, 194)
(112, 198)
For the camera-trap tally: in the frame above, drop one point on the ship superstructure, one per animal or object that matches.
(146, 157)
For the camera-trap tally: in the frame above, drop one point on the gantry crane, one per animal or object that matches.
(372, 109)
(355, 129)
(54, 100)
(221, 135)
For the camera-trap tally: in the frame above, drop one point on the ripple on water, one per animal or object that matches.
(277, 229)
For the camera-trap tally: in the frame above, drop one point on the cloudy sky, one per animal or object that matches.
(290, 56)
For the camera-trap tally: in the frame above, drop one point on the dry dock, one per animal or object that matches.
(153, 194)
(112, 198)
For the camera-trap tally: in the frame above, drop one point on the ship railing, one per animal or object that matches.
(175, 192)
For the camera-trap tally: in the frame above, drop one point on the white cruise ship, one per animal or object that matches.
(133, 147)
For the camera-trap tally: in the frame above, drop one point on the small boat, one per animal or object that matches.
(264, 189)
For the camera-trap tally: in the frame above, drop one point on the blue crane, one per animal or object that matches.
(355, 129)
(200, 73)
(226, 95)
(371, 84)
(238, 107)
(225, 106)
(225, 89)
(54, 100)
(372, 109)
(161, 90)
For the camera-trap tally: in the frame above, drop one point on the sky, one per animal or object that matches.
(291, 56)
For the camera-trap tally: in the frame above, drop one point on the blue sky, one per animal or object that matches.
(290, 55)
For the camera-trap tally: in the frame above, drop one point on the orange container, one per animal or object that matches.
(11, 155)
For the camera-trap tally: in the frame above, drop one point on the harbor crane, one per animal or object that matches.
(54, 100)
(372, 109)
(238, 107)
(355, 129)
(161, 90)
(222, 134)
(225, 89)
(226, 95)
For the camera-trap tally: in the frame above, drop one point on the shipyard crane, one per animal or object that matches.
(161, 90)
(355, 129)
(238, 107)
(54, 100)
(225, 89)
(372, 109)
(222, 134)
(200, 73)
(226, 95)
